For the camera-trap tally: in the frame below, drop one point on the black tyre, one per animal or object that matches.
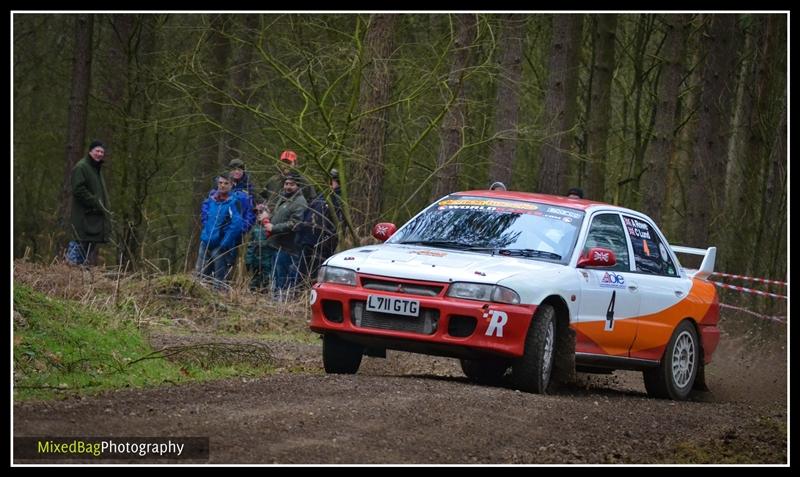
(675, 376)
(340, 356)
(531, 372)
(484, 371)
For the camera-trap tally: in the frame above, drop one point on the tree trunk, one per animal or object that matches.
(367, 171)
(454, 122)
(240, 78)
(767, 151)
(600, 106)
(659, 151)
(78, 106)
(502, 152)
(210, 156)
(706, 186)
(560, 104)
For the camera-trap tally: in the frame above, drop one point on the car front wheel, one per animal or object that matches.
(674, 377)
(340, 356)
(531, 372)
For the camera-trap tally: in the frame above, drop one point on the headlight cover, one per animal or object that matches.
(340, 276)
(483, 292)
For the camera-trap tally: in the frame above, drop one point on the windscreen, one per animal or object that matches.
(503, 226)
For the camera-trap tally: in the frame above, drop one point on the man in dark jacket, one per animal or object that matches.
(288, 212)
(90, 217)
(317, 235)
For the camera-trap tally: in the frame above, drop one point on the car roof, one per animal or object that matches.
(556, 200)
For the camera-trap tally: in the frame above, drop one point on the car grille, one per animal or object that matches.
(426, 323)
(401, 287)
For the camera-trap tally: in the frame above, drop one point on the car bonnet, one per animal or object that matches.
(437, 264)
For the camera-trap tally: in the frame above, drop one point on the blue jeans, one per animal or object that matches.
(285, 270)
(216, 263)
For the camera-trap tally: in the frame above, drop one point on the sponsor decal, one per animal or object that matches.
(612, 280)
(663, 252)
(567, 220)
(637, 228)
(567, 212)
(429, 253)
(499, 320)
(488, 203)
(313, 298)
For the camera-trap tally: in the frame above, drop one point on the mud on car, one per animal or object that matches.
(536, 284)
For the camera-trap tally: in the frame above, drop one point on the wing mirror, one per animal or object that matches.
(597, 257)
(383, 231)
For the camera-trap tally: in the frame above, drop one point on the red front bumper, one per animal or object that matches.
(337, 307)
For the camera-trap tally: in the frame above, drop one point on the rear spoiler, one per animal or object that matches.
(709, 257)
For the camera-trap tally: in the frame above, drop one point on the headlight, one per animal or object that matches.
(505, 295)
(341, 276)
(483, 292)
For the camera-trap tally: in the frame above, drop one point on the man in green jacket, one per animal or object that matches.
(274, 187)
(288, 212)
(91, 217)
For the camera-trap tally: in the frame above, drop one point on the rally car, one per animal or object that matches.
(538, 284)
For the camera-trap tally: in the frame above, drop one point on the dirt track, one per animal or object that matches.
(418, 409)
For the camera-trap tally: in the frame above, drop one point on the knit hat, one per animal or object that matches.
(334, 174)
(497, 186)
(293, 176)
(236, 164)
(289, 156)
(95, 144)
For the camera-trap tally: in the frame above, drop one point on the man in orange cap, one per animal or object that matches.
(274, 186)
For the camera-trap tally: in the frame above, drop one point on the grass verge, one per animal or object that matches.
(61, 348)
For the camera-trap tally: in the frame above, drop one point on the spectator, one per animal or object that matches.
(288, 212)
(242, 192)
(259, 257)
(274, 186)
(497, 186)
(242, 189)
(317, 236)
(90, 217)
(575, 193)
(241, 181)
(221, 228)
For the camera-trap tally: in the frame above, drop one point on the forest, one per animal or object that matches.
(682, 116)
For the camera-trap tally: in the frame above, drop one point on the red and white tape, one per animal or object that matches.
(750, 279)
(779, 319)
(747, 290)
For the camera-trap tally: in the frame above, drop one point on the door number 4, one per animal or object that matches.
(610, 312)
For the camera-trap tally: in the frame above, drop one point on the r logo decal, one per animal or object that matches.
(499, 320)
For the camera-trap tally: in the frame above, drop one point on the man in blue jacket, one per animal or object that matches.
(222, 226)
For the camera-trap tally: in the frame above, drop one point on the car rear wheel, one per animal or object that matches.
(531, 372)
(674, 377)
(485, 371)
(340, 356)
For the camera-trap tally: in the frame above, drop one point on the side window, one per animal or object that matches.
(650, 254)
(606, 231)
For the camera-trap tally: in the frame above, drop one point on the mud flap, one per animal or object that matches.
(564, 362)
(700, 380)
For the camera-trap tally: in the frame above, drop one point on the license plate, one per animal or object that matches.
(395, 306)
